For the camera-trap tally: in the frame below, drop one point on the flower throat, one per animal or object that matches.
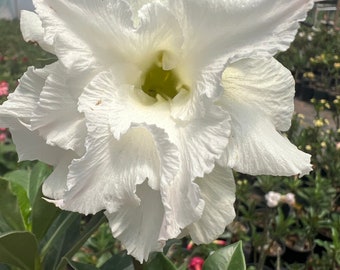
(158, 81)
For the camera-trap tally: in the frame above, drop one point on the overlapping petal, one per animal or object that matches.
(265, 84)
(138, 226)
(218, 192)
(113, 168)
(21, 104)
(258, 111)
(32, 30)
(57, 110)
(17, 111)
(54, 187)
(241, 29)
(79, 43)
(105, 102)
(30, 146)
(182, 203)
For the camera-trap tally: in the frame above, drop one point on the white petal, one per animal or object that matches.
(182, 203)
(240, 29)
(74, 54)
(256, 147)
(259, 96)
(138, 226)
(136, 5)
(264, 26)
(158, 31)
(82, 42)
(107, 175)
(54, 186)
(32, 30)
(203, 140)
(23, 101)
(265, 84)
(57, 111)
(17, 111)
(118, 105)
(30, 146)
(106, 103)
(218, 192)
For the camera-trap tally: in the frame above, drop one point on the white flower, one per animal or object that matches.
(135, 115)
(273, 198)
(289, 199)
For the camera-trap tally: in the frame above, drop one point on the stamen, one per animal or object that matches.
(158, 81)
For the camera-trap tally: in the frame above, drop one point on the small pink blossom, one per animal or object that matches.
(196, 263)
(273, 198)
(190, 245)
(3, 129)
(4, 88)
(220, 242)
(3, 137)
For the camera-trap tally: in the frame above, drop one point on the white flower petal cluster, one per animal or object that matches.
(151, 104)
(273, 198)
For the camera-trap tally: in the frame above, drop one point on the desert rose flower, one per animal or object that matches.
(151, 104)
(273, 198)
(196, 263)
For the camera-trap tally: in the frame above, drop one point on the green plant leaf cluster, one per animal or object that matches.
(34, 234)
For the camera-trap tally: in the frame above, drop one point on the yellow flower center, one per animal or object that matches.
(157, 81)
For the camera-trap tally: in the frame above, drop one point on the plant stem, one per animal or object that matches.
(266, 239)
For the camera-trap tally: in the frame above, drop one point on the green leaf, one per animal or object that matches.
(7, 148)
(121, 261)
(20, 177)
(60, 238)
(159, 262)
(86, 232)
(24, 203)
(81, 266)
(39, 173)
(19, 180)
(19, 249)
(230, 257)
(10, 216)
(43, 215)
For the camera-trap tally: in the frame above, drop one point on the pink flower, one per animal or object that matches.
(4, 88)
(273, 198)
(3, 129)
(190, 245)
(196, 263)
(220, 242)
(3, 137)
